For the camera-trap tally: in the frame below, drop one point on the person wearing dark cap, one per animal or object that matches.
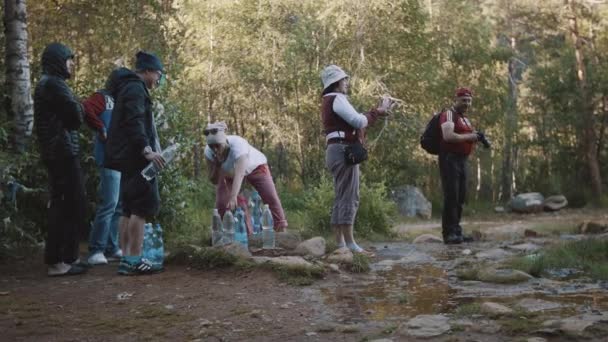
(131, 145)
(458, 137)
(57, 117)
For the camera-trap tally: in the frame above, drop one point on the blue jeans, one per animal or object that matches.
(104, 233)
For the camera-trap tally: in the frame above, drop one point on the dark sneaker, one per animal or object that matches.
(62, 269)
(468, 238)
(453, 239)
(142, 267)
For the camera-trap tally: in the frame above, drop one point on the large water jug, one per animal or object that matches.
(267, 229)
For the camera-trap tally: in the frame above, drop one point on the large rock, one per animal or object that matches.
(530, 202)
(502, 276)
(537, 305)
(411, 202)
(314, 247)
(341, 256)
(426, 326)
(554, 203)
(582, 326)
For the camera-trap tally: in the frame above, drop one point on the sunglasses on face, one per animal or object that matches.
(206, 132)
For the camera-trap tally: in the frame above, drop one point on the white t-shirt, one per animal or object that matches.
(238, 147)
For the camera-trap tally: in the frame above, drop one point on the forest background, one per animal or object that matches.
(538, 70)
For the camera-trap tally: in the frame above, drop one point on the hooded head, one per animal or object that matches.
(148, 61)
(54, 60)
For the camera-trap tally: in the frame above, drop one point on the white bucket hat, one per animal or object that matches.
(332, 74)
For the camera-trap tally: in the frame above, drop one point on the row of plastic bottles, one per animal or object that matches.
(234, 229)
(153, 248)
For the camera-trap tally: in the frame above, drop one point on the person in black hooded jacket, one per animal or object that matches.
(132, 144)
(57, 117)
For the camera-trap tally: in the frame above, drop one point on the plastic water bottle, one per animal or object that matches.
(241, 228)
(228, 236)
(256, 212)
(267, 229)
(216, 228)
(168, 154)
(154, 249)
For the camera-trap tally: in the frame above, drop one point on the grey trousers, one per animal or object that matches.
(346, 185)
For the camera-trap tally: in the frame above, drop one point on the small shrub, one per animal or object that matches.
(360, 263)
(467, 310)
(373, 217)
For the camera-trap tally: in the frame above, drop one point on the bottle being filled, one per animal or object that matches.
(240, 234)
(168, 154)
(256, 212)
(228, 223)
(267, 228)
(216, 228)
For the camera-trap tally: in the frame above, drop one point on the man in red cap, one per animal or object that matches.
(457, 140)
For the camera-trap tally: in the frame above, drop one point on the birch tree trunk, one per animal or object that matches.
(18, 83)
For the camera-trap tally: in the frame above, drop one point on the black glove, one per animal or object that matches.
(482, 138)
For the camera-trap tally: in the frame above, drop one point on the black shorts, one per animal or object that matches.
(139, 197)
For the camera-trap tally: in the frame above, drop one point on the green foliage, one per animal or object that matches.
(360, 263)
(590, 256)
(468, 310)
(373, 217)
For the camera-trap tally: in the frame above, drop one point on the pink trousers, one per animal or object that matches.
(261, 180)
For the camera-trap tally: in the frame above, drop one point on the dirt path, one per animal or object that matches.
(182, 304)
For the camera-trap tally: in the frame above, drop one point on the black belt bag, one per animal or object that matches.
(355, 153)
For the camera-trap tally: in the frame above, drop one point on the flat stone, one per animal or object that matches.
(503, 276)
(536, 339)
(495, 309)
(537, 305)
(428, 238)
(525, 247)
(493, 254)
(236, 249)
(582, 326)
(425, 326)
(293, 261)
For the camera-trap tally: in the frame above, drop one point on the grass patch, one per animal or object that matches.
(471, 273)
(555, 228)
(360, 263)
(520, 322)
(298, 275)
(468, 310)
(589, 255)
(203, 258)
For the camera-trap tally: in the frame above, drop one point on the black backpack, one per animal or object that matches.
(430, 138)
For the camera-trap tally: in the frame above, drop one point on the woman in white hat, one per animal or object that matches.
(230, 160)
(344, 126)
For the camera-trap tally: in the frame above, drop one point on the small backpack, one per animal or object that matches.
(431, 138)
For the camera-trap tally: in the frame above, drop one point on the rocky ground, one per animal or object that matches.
(414, 290)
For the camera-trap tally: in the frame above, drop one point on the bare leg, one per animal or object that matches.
(135, 235)
(123, 225)
(349, 237)
(347, 230)
(337, 228)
